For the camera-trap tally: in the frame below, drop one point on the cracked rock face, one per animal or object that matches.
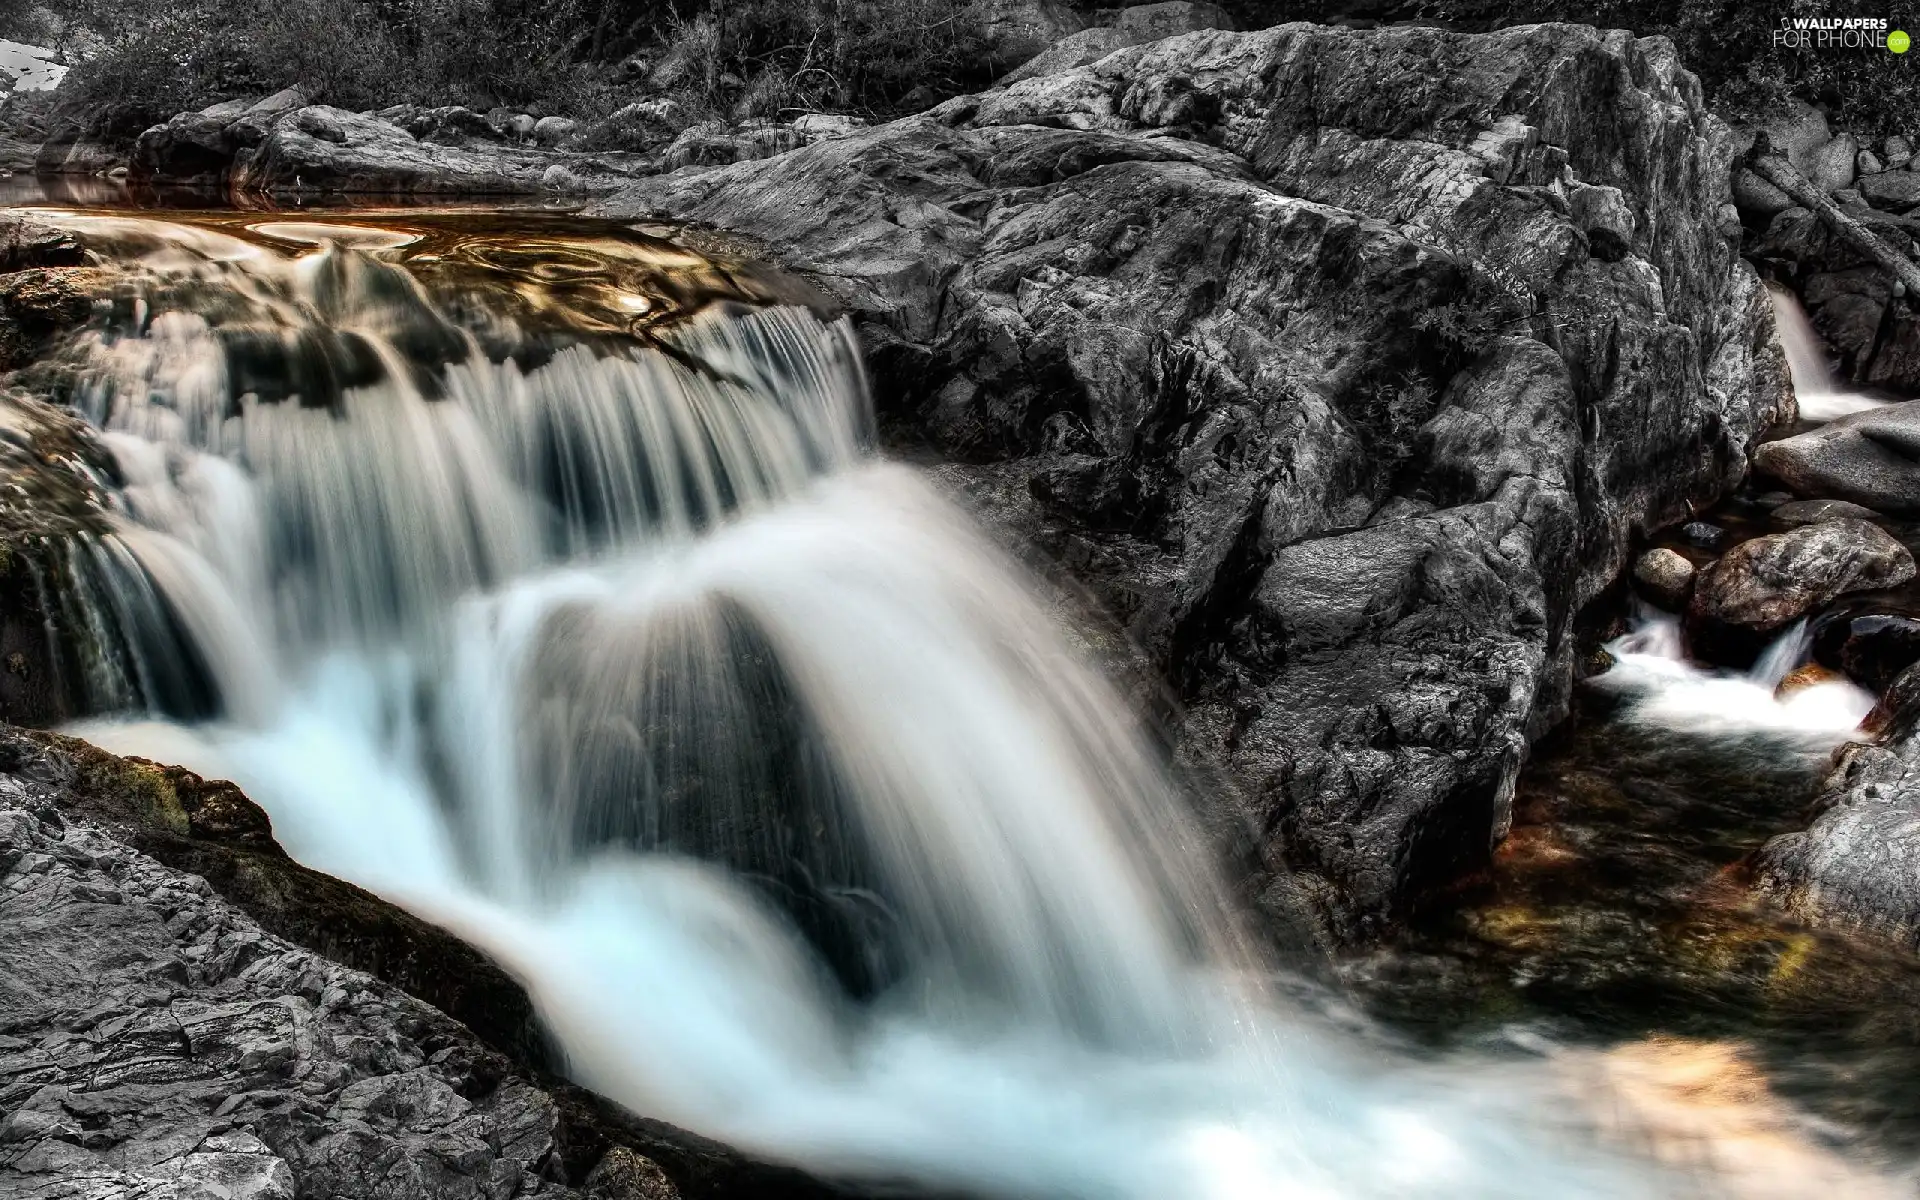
(1339, 365)
(1869, 458)
(155, 1041)
(1853, 868)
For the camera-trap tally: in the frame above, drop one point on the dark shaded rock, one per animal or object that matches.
(1281, 289)
(1896, 190)
(25, 243)
(1796, 513)
(38, 304)
(1756, 196)
(1665, 577)
(77, 152)
(1016, 30)
(1848, 297)
(51, 469)
(1151, 22)
(624, 1175)
(1854, 867)
(1872, 648)
(1704, 535)
(1763, 584)
(282, 145)
(1870, 458)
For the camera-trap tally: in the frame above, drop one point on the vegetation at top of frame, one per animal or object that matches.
(139, 62)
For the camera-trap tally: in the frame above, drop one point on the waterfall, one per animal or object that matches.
(1820, 393)
(631, 662)
(1663, 689)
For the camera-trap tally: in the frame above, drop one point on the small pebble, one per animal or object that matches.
(1704, 534)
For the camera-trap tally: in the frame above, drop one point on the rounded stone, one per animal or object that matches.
(1665, 576)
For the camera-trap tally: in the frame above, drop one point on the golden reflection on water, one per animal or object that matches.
(1705, 1108)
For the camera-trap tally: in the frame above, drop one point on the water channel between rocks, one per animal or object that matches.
(1613, 937)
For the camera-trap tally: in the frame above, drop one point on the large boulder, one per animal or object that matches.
(1849, 297)
(1853, 869)
(1666, 577)
(1016, 30)
(1871, 458)
(1768, 582)
(171, 1029)
(1290, 346)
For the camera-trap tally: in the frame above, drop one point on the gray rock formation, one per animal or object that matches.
(1795, 513)
(1854, 867)
(1896, 190)
(156, 1040)
(282, 145)
(1871, 458)
(1849, 299)
(1128, 27)
(1873, 648)
(1295, 348)
(1767, 582)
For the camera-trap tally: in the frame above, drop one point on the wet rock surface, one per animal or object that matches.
(1289, 345)
(283, 145)
(1764, 583)
(156, 1039)
(1870, 458)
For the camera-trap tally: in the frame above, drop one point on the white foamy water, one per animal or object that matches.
(1663, 688)
(1822, 396)
(772, 779)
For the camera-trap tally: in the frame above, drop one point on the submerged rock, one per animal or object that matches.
(1194, 314)
(1765, 583)
(1870, 458)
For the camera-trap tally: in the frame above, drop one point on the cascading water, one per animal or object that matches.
(1820, 394)
(772, 779)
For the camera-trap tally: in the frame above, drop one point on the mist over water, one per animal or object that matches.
(773, 780)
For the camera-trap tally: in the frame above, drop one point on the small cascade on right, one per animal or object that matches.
(1822, 394)
(1660, 687)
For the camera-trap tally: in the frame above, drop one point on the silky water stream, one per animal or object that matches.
(544, 578)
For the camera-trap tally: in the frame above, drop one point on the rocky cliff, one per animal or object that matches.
(1342, 366)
